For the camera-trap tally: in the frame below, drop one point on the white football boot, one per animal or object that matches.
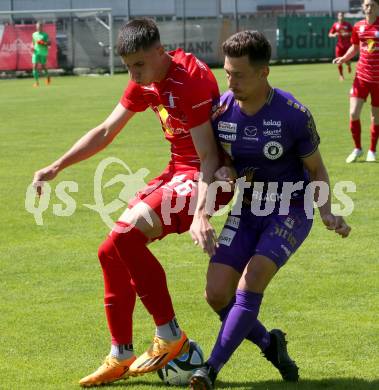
(354, 155)
(371, 156)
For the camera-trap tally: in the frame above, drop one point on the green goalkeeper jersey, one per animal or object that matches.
(40, 41)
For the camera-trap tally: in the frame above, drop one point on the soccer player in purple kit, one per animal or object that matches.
(270, 137)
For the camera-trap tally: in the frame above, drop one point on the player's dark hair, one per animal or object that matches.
(376, 1)
(251, 43)
(141, 33)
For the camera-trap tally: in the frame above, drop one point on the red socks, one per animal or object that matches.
(119, 294)
(355, 128)
(130, 267)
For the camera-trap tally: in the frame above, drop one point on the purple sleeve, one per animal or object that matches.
(307, 138)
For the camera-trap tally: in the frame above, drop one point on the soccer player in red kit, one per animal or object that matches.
(180, 89)
(364, 39)
(342, 31)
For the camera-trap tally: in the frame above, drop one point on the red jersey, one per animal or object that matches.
(182, 100)
(367, 37)
(343, 41)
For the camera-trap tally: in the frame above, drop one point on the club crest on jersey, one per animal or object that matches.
(171, 101)
(370, 45)
(289, 222)
(273, 150)
(228, 127)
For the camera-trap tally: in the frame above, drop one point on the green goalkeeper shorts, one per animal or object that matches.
(39, 59)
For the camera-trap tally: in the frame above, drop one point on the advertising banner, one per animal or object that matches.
(16, 46)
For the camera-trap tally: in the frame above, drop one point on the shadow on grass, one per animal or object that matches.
(327, 383)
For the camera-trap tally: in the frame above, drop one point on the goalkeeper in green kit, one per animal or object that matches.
(40, 45)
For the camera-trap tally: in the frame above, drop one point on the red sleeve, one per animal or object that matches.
(198, 99)
(132, 99)
(354, 36)
(333, 29)
(349, 27)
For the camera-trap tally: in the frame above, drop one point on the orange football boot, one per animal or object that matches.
(159, 354)
(111, 370)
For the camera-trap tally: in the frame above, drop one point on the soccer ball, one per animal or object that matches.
(178, 371)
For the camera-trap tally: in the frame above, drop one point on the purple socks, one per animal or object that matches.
(239, 321)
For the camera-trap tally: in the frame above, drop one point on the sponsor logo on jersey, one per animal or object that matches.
(273, 133)
(233, 221)
(229, 127)
(273, 150)
(226, 237)
(202, 103)
(272, 123)
(250, 133)
(286, 250)
(361, 29)
(228, 137)
(285, 234)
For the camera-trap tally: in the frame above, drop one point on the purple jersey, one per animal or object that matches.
(270, 144)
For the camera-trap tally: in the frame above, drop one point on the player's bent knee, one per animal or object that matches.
(104, 252)
(258, 274)
(216, 299)
(354, 116)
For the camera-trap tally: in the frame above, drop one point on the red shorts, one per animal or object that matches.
(361, 89)
(341, 50)
(173, 196)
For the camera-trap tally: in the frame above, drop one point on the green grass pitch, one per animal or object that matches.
(52, 324)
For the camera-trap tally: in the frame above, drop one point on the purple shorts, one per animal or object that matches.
(274, 236)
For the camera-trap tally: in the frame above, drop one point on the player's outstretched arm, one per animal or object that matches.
(201, 230)
(351, 53)
(91, 143)
(318, 172)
